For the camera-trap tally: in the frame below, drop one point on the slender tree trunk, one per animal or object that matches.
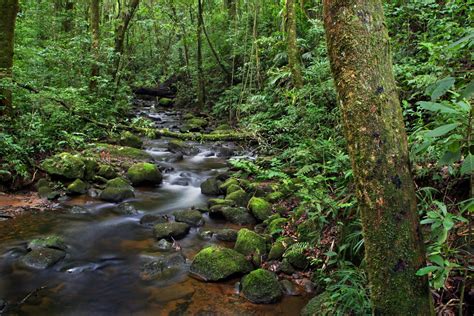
(68, 21)
(95, 29)
(359, 52)
(8, 12)
(201, 92)
(121, 31)
(293, 53)
(231, 6)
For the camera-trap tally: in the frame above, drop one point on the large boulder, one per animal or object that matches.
(131, 140)
(318, 305)
(42, 258)
(117, 190)
(235, 215)
(211, 186)
(240, 197)
(180, 147)
(106, 172)
(78, 187)
(261, 287)
(171, 230)
(64, 165)
(250, 243)
(191, 217)
(260, 208)
(90, 167)
(216, 263)
(163, 266)
(144, 173)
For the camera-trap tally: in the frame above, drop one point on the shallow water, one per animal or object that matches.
(101, 274)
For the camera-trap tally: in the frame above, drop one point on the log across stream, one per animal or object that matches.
(111, 263)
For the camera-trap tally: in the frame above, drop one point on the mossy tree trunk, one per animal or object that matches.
(293, 52)
(95, 30)
(201, 89)
(8, 12)
(359, 52)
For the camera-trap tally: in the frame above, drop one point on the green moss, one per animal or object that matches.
(77, 187)
(235, 215)
(117, 190)
(191, 217)
(274, 196)
(53, 241)
(165, 101)
(168, 230)
(216, 263)
(278, 248)
(130, 140)
(261, 287)
(260, 208)
(318, 305)
(107, 172)
(228, 183)
(275, 227)
(120, 152)
(91, 166)
(240, 198)
(233, 188)
(222, 202)
(197, 121)
(250, 243)
(211, 186)
(144, 173)
(64, 165)
(296, 257)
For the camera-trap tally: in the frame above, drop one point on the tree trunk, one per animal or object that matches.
(231, 6)
(293, 53)
(125, 18)
(358, 46)
(201, 92)
(95, 24)
(8, 12)
(69, 16)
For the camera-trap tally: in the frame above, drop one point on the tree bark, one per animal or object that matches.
(125, 17)
(68, 21)
(8, 12)
(358, 46)
(293, 53)
(95, 30)
(201, 92)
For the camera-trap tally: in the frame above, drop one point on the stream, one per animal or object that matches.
(107, 248)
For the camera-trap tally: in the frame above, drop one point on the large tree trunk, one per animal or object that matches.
(359, 52)
(293, 53)
(8, 12)
(95, 29)
(121, 31)
(201, 92)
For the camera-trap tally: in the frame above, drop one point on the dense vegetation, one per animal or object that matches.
(72, 84)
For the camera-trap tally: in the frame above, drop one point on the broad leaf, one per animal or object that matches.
(437, 259)
(442, 130)
(468, 165)
(441, 87)
(468, 90)
(437, 107)
(426, 270)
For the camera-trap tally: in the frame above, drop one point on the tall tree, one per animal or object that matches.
(68, 21)
(231, 6)
(361, 63)
(8, 12)
(201, 92)
(95, 30)
(126, 17)
(293, 53)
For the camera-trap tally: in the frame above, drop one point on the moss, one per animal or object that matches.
(318, 305)
(260, 208)
(179, 146)
(165, 101)
(307, 229)
(233, 188)
(120, 152)
(296, 258)
(191, 217)
(64, 165)
(250, 243)
(5, 176)
(274, 196)
(276, 226)
(197, 121)
(222, 202)
(228, 183)
(130, 140)
(261, 287)
(90, 167)
(42, 258)
(236, 215)
(211, 186)
(77, 187)
(240, 198)
(170, 230)
(278, 248)
(216, 263)
(52, 241)
(107, 172)
(117, 190)
(144, 173)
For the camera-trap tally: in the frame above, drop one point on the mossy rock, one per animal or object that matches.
(191, 217)
(275, 227)
(211, 186)
(90, 167)
(130, 140)
(120, 152)
(274, 197)
(318, 305)
(78, 187)
(64, 165)
(52, 241)
(5, 176)
(180, 147)
(117, 190)
(150, 219)
(226, 234)
(144, 173)
(286, 267)
(171, 230)
(237, 215)
(250, 243)
(296, 258)
(233, 188)
(227, 183)
(278, 248)
(165, 102)
(106, 172)
(221, 202)
(260, 208)
(42, 258)
(216, 263)
(197, 121)
(261, 287)
(44, 192)
(240, 197)
(307, 229)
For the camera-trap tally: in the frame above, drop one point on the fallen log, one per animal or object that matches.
(232, 136)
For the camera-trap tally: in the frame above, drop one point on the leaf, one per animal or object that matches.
(441, 87)
(437, 259)
(426, 270)
(450, 157)
(437, 107)
(468, 165)
(467, 92)
(442, 130)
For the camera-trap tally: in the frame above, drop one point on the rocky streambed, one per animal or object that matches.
(164, 230)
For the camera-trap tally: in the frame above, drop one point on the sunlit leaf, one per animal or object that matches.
(442, 130)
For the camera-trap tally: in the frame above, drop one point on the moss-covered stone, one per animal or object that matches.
(42, 258)
(216, 263)
(117, 190)
(77, 187)
(130, 140)
(274, 197)
(240, 197)
(296, 258)
(44, 191)
(260, 208)
(191, 217)
(90, 167)
(5, 176)
(52, 241)
(275, 227)
(107, 172)
(171, 229)
(237, 215)
(211, 186)
(278, 249)
(150, 219)
(318, 305)
(261, 287)
(144, 173)
(286, 267)
(307, 229)
(233, 188)
(119, 152)
(231, 181)
(250, 243)
(226, 234)
(165, 102)
(221, 202)
(180, 147)
(65, 165)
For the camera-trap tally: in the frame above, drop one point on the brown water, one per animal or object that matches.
(107, 247)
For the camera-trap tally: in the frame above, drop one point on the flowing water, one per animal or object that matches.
(107, 247)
